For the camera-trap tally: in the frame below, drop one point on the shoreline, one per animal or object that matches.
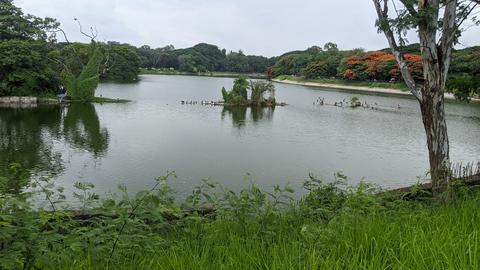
(204, 74)
(362, 89)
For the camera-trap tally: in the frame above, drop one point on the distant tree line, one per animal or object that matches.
(203, 58)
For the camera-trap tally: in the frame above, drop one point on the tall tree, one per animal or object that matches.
(438, 25)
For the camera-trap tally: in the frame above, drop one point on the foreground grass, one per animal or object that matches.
(330, 228)
(396, 85)
(433, 237)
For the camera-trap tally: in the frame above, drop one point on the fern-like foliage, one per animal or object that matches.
(83, 86)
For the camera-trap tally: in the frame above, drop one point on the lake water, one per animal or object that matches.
(133, 143)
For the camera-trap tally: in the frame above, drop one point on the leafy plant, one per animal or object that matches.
(82, 86)
(355, 102)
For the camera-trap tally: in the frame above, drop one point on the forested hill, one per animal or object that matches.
(203, 58)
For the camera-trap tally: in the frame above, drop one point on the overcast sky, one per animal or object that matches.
(266, 27)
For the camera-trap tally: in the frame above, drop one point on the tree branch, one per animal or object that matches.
(387, 30)
(448, 35)
(92, 36)
(61, 31)
(409, 6)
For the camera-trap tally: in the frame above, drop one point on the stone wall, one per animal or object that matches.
(27, 100)
(19, 100)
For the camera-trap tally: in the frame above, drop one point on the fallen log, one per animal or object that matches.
(426, 188)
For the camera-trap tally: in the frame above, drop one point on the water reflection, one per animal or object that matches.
(238, 115)
(81, 129)
(27, 138)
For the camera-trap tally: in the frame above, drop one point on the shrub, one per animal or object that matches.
(83, 86)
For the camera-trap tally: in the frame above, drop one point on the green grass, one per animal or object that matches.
(426, 237)
(330, 228)
(396, 85)
(109, 100)
(103, 100)
(166, 71)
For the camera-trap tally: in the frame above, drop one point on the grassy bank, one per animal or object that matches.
(332, 227)
(207, 74)
(387, 85)
(107, 100)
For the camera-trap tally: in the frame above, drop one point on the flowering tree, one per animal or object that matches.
(379, 66)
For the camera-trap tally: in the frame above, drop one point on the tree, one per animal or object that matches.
(315, 70)
(16, 25)
(124, 63)
(259, 89)
(238, 95)
(83, 85)
(379, 66)
(464, 86)
(240, 86)
(25, 68)
(236, 62)
(330, 47)
(437, 35)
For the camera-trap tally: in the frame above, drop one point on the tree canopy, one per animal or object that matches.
(203, 58)
(32, 62)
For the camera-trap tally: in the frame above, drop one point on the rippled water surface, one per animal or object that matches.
(132, 143)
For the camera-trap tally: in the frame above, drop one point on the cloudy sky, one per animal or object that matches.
(266, 27)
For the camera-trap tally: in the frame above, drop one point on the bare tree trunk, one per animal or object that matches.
(433, 116)
(432, 102)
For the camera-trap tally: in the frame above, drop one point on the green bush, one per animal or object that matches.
(464, 87)
(83, 86)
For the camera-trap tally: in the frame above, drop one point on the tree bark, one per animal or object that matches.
(434, 122)
(435, 69)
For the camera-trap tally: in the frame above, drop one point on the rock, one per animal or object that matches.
(48, 101)
(206, 208)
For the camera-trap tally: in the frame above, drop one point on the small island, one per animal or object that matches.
(262, 94)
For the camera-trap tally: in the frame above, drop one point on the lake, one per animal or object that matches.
(131, 144)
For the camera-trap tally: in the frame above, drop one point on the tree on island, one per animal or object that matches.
(239, 93)
(82, 86)
(437, 35)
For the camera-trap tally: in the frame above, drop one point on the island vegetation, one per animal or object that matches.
(262, 93)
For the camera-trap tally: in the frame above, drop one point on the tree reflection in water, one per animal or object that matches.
(81, 129)
(26, 141)
(238, 114)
